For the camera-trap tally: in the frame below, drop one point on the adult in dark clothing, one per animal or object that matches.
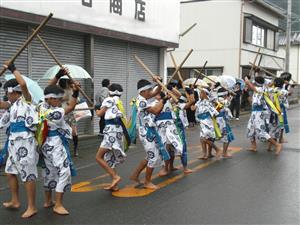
(100, 96)
(236, 101)
(190, 112)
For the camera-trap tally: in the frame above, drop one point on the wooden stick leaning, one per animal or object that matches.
(156, 80)
(179, 67)
(200, 72)
(61, 66)
(266, 71)
(27, 42)
(256, 56)
(207, 77)
(178, 73)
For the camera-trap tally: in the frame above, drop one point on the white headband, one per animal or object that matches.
(222, 93)
(116, 92)
(16, 88)
(148, 86)
(51, 95)
(205, 90)
(258, 84)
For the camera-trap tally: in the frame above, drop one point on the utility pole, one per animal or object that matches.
(288, 36)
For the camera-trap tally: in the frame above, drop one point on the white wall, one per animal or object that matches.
(260, 12)
(162, 17)
(216, 37)
(294, 61)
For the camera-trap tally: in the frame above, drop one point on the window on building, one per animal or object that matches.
(258, 35)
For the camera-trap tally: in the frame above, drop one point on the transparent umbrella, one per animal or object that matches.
(191, 81)
(227, 81)
(37, 93)
(76, 72)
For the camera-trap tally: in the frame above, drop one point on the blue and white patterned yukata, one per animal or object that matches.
(22, 158)
(55, 150)
(113, 133)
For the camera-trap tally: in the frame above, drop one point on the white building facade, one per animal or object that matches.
(101, 36)
(228, 35)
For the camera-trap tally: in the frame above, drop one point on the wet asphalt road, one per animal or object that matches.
(250, 188)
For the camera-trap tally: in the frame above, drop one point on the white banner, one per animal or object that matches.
(157, 19)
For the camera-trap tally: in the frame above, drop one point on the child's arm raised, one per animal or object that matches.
(73, 101)
(250, 85)
(20, 80)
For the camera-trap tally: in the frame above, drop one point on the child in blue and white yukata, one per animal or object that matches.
(172, 134)
(205, 114)
(111, 151)
(258, 123)
(148, 132)
(279, 123)
(185, 101)
(22, 159)
(222, 106)
(55, 149)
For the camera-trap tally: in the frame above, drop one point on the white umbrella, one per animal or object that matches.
(191, 81)
(211, 78)
(76, 72)
(227, 81)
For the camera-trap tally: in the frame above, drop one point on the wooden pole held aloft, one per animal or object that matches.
(156, 80)
(61, 66)
(27, 42)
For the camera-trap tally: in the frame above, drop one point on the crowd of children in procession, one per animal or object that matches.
(40, 133)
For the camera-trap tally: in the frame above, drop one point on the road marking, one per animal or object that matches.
(132, 190)
(86, 186)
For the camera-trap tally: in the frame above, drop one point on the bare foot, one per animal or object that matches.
(174, 169)
(114, 188)
(29, 213)
(251, 149)
(227, 156)
(49, 204)
(278, 149)
(218, 154)
(162, 172)
(60, 210)
(113, 184)
(12, 205)
(136, 180)
(187, 171)
(211, 156)
(203, 158)
(150, 186)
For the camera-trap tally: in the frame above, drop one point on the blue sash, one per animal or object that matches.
(111, 122)
(257, 108)
(285, 120)
(13, 128)
(230, 136)
(53, 133)
(221, 114)
(181, 131)
(164, 116)
(4, 151)
(152, 134)
(203, 116)
(118, 121)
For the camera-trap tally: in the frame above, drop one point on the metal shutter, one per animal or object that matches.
(150, 56)
(114, 60)
(68, 47)
(110, 61)
(12, 36)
